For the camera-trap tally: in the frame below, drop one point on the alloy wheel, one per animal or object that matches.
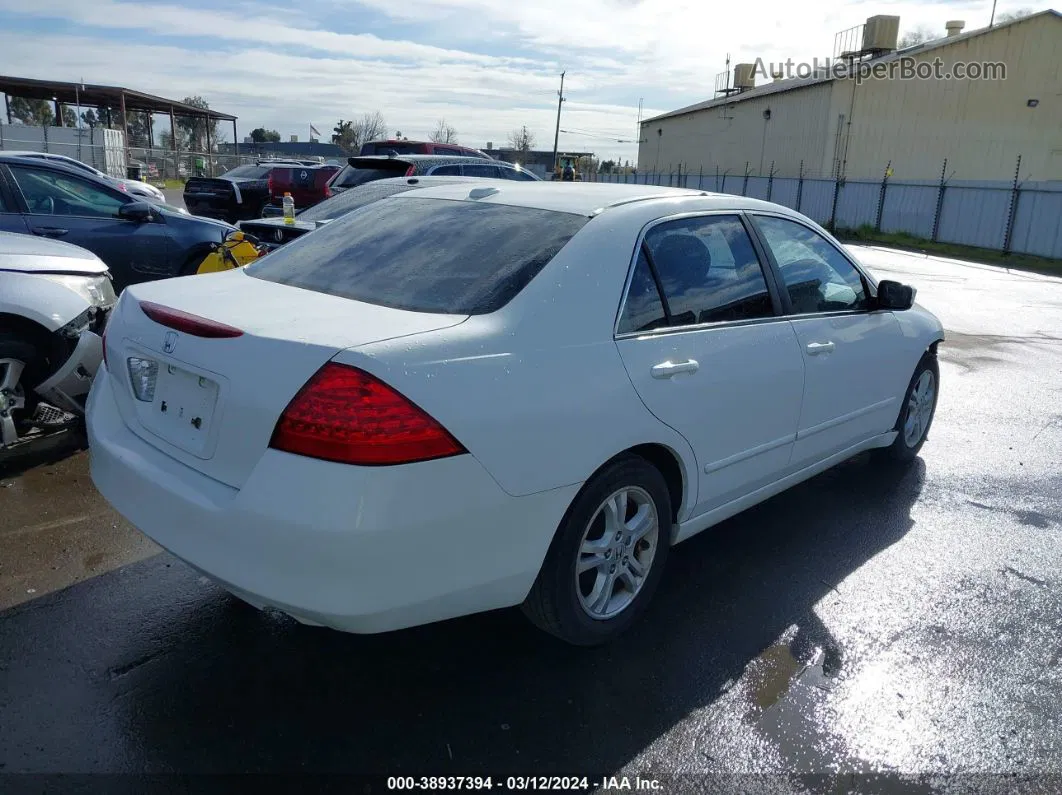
(12, 398)
(920, 402)
(616, 552)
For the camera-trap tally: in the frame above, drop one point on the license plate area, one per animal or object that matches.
(182, 409)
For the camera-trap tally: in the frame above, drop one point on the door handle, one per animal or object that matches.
(50, 231)
(815, 348)
(669, 369)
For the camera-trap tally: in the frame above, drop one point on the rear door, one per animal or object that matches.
(66, 207)
(853, 353)
(703, 339)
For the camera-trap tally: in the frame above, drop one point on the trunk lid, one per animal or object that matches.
(216, 401)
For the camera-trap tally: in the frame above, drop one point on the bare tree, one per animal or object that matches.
(444, 133)
(370, 127)
(1010, 16)
(917, 36)
(522, 140)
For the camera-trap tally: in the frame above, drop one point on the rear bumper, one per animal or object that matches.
(358, 549)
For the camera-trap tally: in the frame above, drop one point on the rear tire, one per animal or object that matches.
(916, 414)
(607, 557)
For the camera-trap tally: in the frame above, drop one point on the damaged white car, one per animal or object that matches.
(54, 301)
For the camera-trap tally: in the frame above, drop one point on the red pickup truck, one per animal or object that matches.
(307, 185)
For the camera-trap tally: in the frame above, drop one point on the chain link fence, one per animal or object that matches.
(104, 150)
(1021, 216)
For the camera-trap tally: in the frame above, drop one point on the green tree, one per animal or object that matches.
(351, 134)
(192, 130)
(261, 135)
(90, 119)
(35, 112)
(69, 116)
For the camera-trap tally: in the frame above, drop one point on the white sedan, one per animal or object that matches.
(459, 399)
(133, 187)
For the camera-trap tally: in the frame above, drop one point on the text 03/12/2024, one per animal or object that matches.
(523, 783)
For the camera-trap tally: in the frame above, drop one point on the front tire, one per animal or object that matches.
(20, 367)
(916, 414)
(607, 557)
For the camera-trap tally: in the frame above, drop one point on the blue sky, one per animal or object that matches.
(486, 66)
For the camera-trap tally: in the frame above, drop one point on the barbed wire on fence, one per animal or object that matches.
(1020, 216)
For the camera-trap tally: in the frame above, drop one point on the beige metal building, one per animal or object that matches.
(837, 126)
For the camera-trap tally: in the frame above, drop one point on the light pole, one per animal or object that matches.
(556, 134)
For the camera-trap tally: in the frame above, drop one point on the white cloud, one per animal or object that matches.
(281, 66)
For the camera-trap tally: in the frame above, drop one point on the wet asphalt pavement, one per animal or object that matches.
(902, 623)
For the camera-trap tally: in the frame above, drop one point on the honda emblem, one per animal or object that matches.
(170, 342)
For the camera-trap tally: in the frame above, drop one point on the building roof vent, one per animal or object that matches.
(744, 76)
(954, 27)
(778, 76)
(880, 33)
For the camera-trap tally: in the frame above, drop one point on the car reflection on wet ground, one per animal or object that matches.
(894, 622)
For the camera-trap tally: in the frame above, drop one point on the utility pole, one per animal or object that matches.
(556, 135)
(992, 20)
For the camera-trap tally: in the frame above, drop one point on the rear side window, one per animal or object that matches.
(425, 255)
(709, 270)
(249, 172)
(351, 177)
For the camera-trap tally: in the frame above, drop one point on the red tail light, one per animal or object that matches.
(327, 191)
(410, 170)
(188, 323)
(344, 414)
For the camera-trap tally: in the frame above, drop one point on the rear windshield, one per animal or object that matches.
(425, 255)
(350, 200)
(351, 177)
(398, 147)
(249, 172)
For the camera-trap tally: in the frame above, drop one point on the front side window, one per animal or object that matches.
(51, 193)
(708, 270)
(817, 276)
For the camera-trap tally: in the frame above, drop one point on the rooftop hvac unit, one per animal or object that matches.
(744, 76)
(880, 33)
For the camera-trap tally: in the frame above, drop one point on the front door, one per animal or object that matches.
(703, 341)
(852, 352)
(79, 211)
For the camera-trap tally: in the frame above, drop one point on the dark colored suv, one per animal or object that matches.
(360, 170)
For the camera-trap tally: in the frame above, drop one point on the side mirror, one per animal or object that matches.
(893, 295)
(138, 212)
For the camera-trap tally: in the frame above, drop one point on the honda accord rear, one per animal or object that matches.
(264, 425)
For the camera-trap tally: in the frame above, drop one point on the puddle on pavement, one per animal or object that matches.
(782, 669)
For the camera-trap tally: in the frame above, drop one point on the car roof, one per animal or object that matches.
(47, 162)
(585, 198)
(369, 159)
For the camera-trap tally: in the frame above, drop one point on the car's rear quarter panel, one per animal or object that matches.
(537, 391)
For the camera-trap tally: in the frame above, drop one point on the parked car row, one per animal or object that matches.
(250, 192)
